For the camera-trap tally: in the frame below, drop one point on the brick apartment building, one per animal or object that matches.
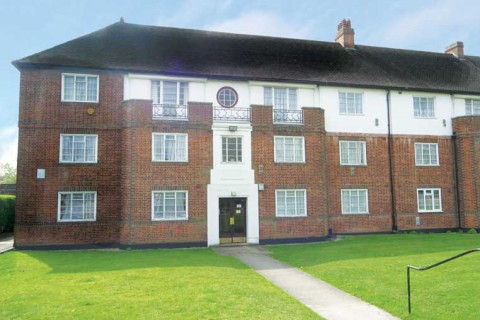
(142, 136)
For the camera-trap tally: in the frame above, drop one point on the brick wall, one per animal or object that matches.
(309, 176)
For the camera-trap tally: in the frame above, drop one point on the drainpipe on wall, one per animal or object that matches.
(390, 164)
(457, 188)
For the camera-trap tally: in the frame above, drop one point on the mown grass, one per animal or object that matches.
(374, 269)
(149, 284)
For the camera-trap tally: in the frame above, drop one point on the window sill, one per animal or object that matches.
(353, 165)
(435, 211)
(355, 213)
(427, 165)
(169, 220)
(280, 163)
(169, 161)
(85, 220)
(81, 102)
(290, 217)
(78, 163)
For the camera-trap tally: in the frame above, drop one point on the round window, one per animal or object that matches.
(227, 97)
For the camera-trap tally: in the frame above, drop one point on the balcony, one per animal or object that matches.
(231, 114)
(169, 112)
(287, 116)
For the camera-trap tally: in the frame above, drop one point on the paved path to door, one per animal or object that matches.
(6, 242)
(326, 300)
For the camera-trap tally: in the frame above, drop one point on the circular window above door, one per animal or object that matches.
(227, 97)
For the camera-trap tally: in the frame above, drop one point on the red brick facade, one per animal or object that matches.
(125, 176)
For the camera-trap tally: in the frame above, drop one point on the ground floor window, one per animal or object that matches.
(291, 203)
(77, 206)
(169, 205)
(429, 200)
(354, 201)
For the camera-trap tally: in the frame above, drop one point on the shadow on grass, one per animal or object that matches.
(375, 246)
(105, 261)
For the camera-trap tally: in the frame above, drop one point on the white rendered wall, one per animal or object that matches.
(404, 121)
(459, 104)
(374, 107)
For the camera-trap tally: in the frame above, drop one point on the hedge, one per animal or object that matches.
(7, 213)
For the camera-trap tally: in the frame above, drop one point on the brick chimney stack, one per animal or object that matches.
(456, 49)
(345, 34)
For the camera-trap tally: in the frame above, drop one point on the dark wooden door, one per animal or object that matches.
(233, 220)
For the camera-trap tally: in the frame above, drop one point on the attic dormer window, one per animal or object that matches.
(79, 87)
(227, 97)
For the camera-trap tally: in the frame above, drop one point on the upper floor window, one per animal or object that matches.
(231, 149)
(78, 148)
(173, 93)
(353, 153)
(281, 98)
(354, 201)
(77, 206)
(169, 147)
(472, 107)
(423, 107)
(227, 97)
(289, 149)
(429, 200)
(79, 87)
(169, 205)
(350, 102)
(291, 203)
(426, 154)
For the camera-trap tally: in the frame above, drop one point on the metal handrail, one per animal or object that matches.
(231, 114)
(288, 116)
(430, 267)
(169, 112)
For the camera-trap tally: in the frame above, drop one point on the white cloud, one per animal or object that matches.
(261, 23)
(9, 145)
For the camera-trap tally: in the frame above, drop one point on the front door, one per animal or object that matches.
(233, 220)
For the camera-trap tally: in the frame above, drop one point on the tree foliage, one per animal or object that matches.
(8, 173)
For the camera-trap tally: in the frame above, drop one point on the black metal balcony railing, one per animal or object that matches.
(231, 114)
(288, 116)
(169, 112)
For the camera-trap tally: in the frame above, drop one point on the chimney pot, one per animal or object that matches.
(345, 35)
(455, 49)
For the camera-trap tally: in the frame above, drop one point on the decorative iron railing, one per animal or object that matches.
(169, 112)
(288, 116)
(231, 114)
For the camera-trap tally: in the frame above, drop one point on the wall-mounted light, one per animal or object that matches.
(444, 122)
(376, 122)
(233, 193)
(261, 187)
(40, 173)
(232, 128)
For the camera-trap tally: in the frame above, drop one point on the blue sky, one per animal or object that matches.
(27, 27)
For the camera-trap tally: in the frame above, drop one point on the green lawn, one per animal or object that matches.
(149, 284)
(374, 269)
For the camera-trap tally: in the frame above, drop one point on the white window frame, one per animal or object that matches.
(159, 134)
(423, 162)
(160, 99)
(418, 113)
(285, 204)
(75, 75)
(281, 139)
(344, 193)
(356, 106)
(289, 105)
(59, 206)
(431, 192)
(176, 209)
(472, 107)
(241, 149)
(84, 151)
(347, 143)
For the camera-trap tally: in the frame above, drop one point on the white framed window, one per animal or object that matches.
(280, 98)
(78, 148)
(227, 97)
(354, 201)
(77, 206)
(291, 203)
(351, 102)
(173, 93)
(424, 107)
(426, 154)
(289, 149)
(472, 106)
(353, 153)
(79, 87)
(231, 149)
(429, 200)
(169, 147)
(169, 205)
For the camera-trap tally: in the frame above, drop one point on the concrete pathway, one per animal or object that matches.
(6, 242)
(326, 300)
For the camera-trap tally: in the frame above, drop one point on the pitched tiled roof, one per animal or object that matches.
(151, 49)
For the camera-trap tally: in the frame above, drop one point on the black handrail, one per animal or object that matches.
(430, 267)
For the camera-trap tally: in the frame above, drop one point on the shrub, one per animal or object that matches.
(7, 213)
(472, 231)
